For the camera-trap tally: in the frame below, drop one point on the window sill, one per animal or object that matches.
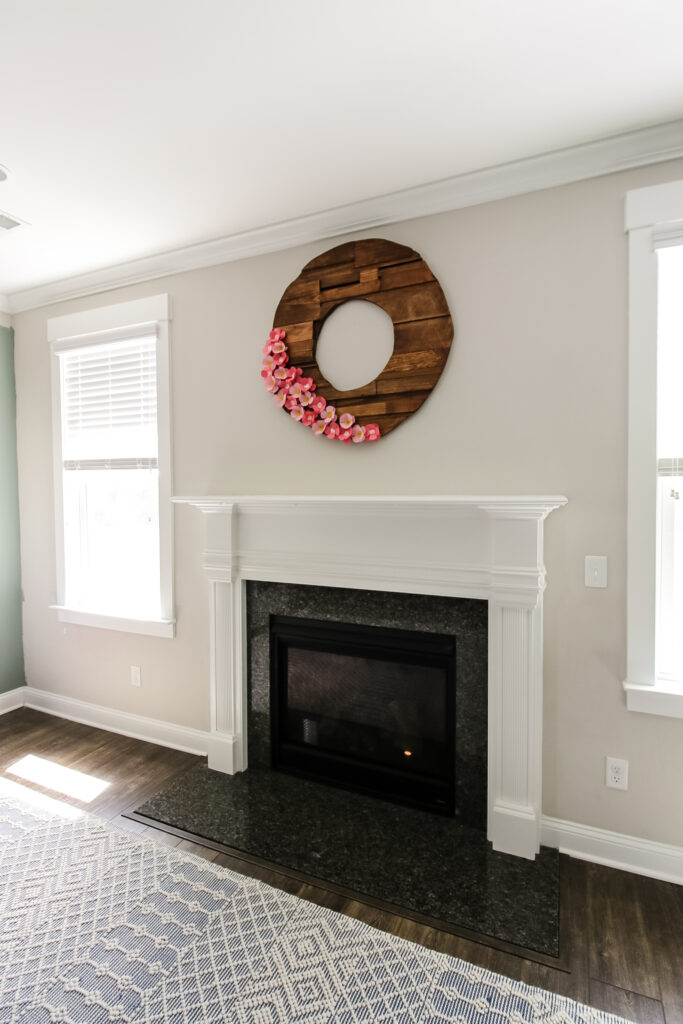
(149, 627)
(662, 698)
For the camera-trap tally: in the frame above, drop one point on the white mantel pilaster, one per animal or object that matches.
(481, 547)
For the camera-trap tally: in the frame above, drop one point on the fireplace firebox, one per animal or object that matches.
(366, 708)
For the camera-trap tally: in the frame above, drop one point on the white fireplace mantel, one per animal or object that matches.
(480, 547)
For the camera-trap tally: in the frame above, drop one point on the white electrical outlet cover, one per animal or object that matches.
(616, 773)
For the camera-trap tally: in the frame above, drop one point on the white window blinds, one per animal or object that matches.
(109, 405)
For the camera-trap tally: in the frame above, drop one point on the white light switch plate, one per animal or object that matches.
(596, 571)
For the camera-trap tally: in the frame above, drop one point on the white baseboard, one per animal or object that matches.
(12, 699)
(627, 853)
(152, 730)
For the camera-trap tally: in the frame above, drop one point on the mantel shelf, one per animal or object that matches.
(366, 504)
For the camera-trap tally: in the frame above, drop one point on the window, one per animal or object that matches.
(654, 219)
(669, 613)
(112, 466)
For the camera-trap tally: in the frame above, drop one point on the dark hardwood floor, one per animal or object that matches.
(621, 934)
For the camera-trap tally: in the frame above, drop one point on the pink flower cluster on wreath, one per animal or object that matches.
(296, 393)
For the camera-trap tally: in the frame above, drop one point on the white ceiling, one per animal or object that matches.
(132, 127)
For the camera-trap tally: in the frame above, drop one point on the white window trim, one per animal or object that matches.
(69, 331)
(654, 217)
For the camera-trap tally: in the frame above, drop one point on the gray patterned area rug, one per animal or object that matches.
(100, 925)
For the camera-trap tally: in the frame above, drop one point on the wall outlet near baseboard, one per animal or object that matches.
(616, 773)
(135, 679)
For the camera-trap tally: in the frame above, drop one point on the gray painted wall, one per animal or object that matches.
(533, 400)
(11, 650)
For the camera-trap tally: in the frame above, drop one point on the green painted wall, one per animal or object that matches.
(11, 650)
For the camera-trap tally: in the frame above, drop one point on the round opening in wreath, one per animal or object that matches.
(354, 345)
(397, 280)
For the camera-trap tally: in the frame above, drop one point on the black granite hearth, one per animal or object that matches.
(425, 863)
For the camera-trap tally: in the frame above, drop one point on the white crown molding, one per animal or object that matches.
(5, 315)
(561, 167)
(615, 850)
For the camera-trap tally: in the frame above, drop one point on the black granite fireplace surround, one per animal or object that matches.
(457, 623)
(365, 708)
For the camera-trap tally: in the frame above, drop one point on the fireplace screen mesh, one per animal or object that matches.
(365, 707)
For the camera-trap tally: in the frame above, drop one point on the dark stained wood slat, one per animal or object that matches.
(386, 423)
(629, 1005)
(381, 252)
(301, 354)
(371, 408)
(403, 274)
(298, 332)
(330, 277)
(573, 913)
(143, 780)
(410, 337)
(416, 302)
(323, 897)
(302, 291)
(664, 923)
(405, 364)
(300, 302)
(12, 748)
(544, 977)
(357, 290)
(40, 734)
(158, 836)
(187, 847)
(403, 403)
(296, 310)
(611, 916)
(60, 746)
(417, 382)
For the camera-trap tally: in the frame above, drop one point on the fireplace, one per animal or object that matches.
(382, 620)
(365, 708)
(484, 547)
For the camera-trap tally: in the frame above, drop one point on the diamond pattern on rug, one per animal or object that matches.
(390, 983)
(97, 925)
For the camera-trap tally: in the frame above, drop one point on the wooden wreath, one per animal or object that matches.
(397, 280)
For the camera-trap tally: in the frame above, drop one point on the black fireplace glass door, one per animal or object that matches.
(365, 707)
